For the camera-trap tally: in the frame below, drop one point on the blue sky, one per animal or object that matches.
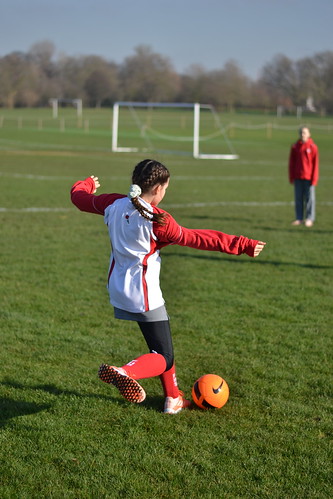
(205, 32)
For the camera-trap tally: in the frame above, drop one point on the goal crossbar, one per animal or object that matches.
(196, 126)
(75, 102)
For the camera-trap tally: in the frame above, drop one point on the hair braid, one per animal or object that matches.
(146, 175)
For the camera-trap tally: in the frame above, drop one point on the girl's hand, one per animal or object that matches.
(259, 247)
(96, 182)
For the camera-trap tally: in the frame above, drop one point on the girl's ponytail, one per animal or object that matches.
(146, 175)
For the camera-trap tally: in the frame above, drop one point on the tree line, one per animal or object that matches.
(31, 79)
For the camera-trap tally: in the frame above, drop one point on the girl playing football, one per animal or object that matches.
(138, 229)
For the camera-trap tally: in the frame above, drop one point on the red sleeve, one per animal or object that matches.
(210, 240)
(315, 166)
(84, 199)
(292, 164)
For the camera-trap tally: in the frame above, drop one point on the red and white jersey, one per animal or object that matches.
(134, 271)
(135, 261)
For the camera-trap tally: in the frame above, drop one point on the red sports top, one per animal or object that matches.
(134, 270)
(304, 161)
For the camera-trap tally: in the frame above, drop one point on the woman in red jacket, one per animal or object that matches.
(138, 229)
(303, 173)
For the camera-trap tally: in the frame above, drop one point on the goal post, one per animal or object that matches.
(195, 137)
(77, 103)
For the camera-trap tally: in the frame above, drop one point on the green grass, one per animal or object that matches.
(264, 325)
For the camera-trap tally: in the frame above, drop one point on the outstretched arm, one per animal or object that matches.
(210, 240)
(83, 196)
(213, 240)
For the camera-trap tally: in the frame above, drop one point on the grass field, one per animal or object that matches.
(265, 325)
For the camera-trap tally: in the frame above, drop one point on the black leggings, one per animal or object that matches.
(158, 339)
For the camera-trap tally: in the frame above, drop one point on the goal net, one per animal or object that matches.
(179, 128)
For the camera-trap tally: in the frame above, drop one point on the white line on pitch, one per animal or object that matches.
(30, 176)
(237, 178)
(33, 209)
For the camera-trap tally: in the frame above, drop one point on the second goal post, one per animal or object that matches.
(146, 125)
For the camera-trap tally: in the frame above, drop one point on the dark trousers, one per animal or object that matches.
(304, 197)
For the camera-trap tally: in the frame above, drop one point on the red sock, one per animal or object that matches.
(169, 383)
(145, 366)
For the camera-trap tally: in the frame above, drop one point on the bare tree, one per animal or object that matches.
(234, 86)
(70, 78)
(324, 88)
(31, 79)
(13, 71)
(100, 85)
(42, 53)
(42, 56)
(280, 79)
(194, 85)
(224, 88)
(147, 76)
(100, 80)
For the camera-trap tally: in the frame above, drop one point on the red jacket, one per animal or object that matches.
(134, 270)
(304, 161)
(171, 232)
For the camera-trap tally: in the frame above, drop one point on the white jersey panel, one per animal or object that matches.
(134, 263)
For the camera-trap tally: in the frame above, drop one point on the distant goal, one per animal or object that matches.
(77, 103)
(180, 128)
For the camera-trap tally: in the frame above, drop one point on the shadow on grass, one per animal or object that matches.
(274, 228)
(294, 230)
(234, 259)
(52, 389)
(219, 218)
(11, 408)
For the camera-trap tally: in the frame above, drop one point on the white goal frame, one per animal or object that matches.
(196, 126)
(75, 102)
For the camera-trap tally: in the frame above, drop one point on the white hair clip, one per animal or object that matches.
(135, 191)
